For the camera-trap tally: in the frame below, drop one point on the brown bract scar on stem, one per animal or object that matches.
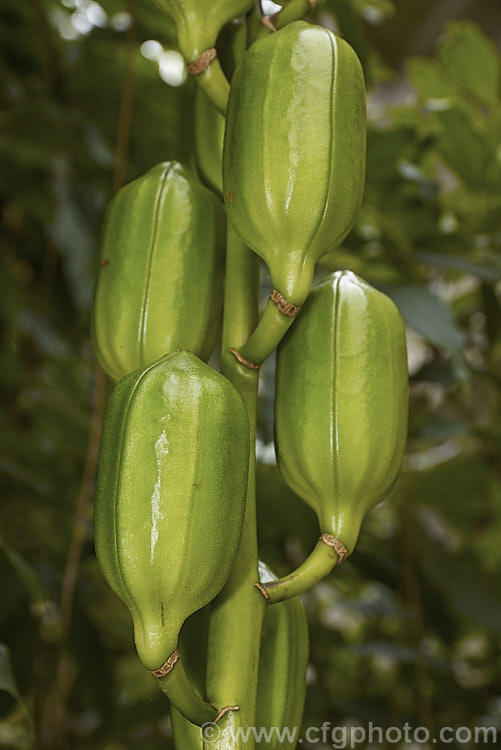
(202, 62)
(285, 588)
(268, 22)
(262, 589)
(243, 361)
(168, 666)
(337, 546)
(289, 309)
(224, 711)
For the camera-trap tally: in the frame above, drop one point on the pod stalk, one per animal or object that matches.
(270, 330)
(215, 84)
(178, 689)
(327, 553)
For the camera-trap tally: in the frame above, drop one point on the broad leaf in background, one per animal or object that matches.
(424, 312)
(471, 57)
(8, 684)
(27, 576)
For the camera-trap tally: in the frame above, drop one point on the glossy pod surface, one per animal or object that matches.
(198, 22)
(294, 151)
(160, 278)
(170, 495)
(341, 402)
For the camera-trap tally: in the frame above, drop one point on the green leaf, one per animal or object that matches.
(473, 59)
(438, 428)
(463, 586)
(385, 149)
(7, 681)
(424, 312)
(21, 473)
(464, 147)
(487, 270)
(450, 487)
(26, 574)
(8, 684)
(431, 79)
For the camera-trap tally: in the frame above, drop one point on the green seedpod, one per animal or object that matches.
(294, 150)
(198, 22)
(341, 402)
(160, 275)
(170, 495)
(209, 136)
(282, 669)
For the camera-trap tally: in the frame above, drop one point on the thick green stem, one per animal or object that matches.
(269, 332)
(319, 563)
(291, 290)
(179, 691)
(294, 10)
(215, 84)
(237, 614)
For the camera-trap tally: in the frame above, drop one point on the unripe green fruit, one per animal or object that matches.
(341, 402)
(160, 277)
(170, 495)
(294, 151)
(282, 667)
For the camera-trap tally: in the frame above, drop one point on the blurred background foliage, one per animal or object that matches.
(409, 629)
